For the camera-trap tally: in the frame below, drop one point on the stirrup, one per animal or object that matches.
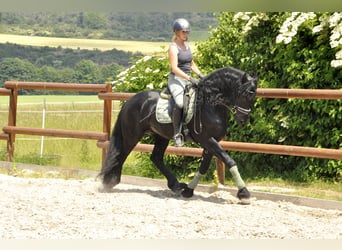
(179, 140)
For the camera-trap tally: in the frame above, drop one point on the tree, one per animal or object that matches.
(94, 21)
(110, 71)
(16, 69)
(87, 71)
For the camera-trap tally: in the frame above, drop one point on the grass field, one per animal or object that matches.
(147, 48)
(62, 112)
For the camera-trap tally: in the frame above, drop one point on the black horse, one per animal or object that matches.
(226, 89)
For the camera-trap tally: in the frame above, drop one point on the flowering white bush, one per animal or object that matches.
(148, 72)
(252, 19)
(334, 20)
(290, 26)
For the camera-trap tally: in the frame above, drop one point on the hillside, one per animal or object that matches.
(59, 57)
(140, 26)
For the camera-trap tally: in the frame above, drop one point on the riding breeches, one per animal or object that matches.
(177, 86)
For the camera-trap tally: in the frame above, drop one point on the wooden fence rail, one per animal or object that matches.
(105, 93)
(5, 92)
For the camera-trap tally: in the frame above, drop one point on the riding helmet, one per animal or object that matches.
(181, 24)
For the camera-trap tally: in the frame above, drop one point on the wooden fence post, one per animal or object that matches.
(107, 118)
(12, 121)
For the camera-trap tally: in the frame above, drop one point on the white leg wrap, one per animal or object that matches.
(195, 181)
(236, 175)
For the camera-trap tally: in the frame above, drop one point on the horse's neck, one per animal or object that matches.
(219, 110)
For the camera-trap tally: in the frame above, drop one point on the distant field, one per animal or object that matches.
(146, 48)
(39, 99)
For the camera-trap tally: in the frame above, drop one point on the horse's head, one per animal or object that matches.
(245, 98)
(232, 88)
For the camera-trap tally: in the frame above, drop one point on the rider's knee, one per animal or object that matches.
(179, 102)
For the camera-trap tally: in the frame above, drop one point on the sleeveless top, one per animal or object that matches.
(184, 59)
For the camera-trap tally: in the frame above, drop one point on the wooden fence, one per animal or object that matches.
(105, 93)
(9, 131)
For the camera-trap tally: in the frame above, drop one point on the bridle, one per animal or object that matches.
(235, 109)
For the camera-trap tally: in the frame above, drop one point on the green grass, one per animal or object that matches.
(62, 112)
(317, 189)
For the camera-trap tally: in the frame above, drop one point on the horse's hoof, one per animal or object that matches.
(178, 188)
(187, 192)
(105, 188)
(244, 196)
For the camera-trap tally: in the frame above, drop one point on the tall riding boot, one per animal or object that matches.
(177, 126)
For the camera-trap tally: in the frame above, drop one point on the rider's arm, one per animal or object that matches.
(194, 68)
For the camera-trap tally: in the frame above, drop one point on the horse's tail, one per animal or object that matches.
(111, 171)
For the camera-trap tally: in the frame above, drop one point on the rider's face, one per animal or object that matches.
(183, 35)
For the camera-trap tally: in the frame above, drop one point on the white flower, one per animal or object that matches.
(144, 59)
(339, 54)
(251, 21)
(148, 70)
(122, 73)
(156, 71)
(287, 40)
(336, 63)
(290, 26)
(323, 22)
(335, 19)
(149, 86)
(242, 15)
(317, 28)
(279, 38)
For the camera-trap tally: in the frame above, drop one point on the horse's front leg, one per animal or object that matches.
(216, 149)
(243, 193)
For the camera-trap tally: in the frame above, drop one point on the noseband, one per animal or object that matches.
(237, 109)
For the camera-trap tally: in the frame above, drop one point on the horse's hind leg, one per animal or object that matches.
(157, 157)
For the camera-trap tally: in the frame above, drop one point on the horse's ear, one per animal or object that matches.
(256, 78)
(255, 74)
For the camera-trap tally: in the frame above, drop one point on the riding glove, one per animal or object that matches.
(194, 81)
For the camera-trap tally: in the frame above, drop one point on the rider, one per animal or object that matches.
(182, 64)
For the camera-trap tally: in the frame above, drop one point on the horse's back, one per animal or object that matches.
(141, 99)
(139, 106)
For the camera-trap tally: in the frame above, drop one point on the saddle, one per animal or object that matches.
(165, 105)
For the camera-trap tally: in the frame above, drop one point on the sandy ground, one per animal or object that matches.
(47, 208)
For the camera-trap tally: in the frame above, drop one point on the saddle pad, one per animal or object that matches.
(163, 109)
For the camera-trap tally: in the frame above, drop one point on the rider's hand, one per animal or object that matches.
(201, 76)
(194, 81)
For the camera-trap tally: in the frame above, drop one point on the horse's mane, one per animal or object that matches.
(222, 84)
